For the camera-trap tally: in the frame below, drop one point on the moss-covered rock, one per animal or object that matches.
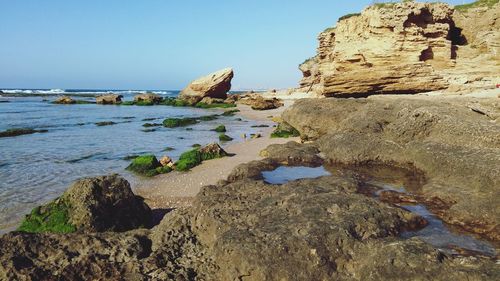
(230, 112)
(179, 122)
(53, 217)
(220, 129)
(224, 137)
(19, 131)
(215, 105)
(144, 164)
(105, 123)
(194, 157)
(285, 131)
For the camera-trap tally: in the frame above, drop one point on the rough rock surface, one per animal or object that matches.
(215, 85)
(109, 99)
(456, 147)
(403, 48)
(258, 102)
(148, 98)
(105, 204)
(65, 100)
(245, 229)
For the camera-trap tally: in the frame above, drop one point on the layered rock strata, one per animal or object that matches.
(403, 48)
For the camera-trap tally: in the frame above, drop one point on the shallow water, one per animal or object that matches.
(435, 233)
(37, 168)
(284, 174)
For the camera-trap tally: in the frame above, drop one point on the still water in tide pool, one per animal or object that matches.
(37, 168)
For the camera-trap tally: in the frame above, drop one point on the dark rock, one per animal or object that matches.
(19, 131)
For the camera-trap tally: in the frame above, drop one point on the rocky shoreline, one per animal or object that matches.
(384, 155)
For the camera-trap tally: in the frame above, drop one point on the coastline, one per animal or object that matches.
(178, 189)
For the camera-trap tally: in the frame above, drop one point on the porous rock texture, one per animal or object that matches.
(215, 85)
(105, 203)
(456, 145)
(109, 99)
(245, 229)
(407, 47)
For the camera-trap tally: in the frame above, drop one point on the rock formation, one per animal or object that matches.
(91, 205)
(65, 100)
(258, 102)
(454, 144)
(215, 85)
(148, 98)
(400, 48)
(109, 99)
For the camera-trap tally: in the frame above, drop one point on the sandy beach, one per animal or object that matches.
(177, 189)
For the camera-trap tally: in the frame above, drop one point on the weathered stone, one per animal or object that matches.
(258, 102)
(109, 99)
(215, 85)
(383, 50)
(166, 161)
(458, 149)
(148, 98)
(65, 100)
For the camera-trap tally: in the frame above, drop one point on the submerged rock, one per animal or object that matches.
(91, 205)
(215, 86)
(109, 99)
(19, 131)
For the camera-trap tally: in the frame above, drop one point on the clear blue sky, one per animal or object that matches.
(159, 44)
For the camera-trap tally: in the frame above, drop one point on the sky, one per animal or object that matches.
(160, 44)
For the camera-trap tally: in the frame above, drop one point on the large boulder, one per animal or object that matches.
(98, 204)
(109, 99)
(148, 98)
(215, 85)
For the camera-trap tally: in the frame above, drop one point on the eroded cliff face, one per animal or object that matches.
(394, 48)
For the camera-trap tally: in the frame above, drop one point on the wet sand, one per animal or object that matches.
(177, 189)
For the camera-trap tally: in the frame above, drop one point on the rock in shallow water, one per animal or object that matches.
(215, 86)
(97, 204)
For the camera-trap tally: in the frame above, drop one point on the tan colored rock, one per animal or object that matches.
(167, 161)
(65, 100)
(148, 98)
(109, 99)
(215, 85)
(258, 102)
(384, 50)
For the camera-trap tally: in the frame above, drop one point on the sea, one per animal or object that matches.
(37, 168)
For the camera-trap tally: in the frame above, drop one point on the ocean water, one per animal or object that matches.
(37, 168)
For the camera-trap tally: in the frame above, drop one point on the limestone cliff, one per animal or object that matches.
(390, 48)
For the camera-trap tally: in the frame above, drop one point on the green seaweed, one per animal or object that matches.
(188, 160)
(143, 165)
(215, 105)
(230, 112)
(179, 122)
(53, 217)
(193, 158)
(285, 131)
(220, 129)
(224, 137)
